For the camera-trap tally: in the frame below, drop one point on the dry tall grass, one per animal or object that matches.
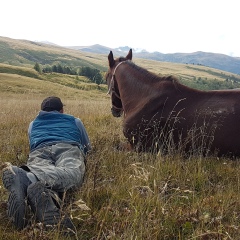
(125, 195)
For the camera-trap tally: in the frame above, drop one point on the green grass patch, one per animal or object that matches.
(22, 71)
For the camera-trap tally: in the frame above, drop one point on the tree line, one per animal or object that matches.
(93, 74)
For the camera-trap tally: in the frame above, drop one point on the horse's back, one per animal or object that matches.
(213, 115)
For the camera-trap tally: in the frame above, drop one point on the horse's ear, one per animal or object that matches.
(111, 60)
(129, 56)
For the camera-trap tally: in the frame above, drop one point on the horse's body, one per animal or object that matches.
(160, 113)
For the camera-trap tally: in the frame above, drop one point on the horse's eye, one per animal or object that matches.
(107, 76)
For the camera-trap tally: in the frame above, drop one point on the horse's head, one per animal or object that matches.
(112, 84)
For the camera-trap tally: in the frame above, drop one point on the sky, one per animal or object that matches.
(166, 26)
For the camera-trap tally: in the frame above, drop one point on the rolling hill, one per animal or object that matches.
(213, 60)
(23, 53)
(26, 53)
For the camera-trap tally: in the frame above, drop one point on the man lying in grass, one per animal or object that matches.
(59, 144)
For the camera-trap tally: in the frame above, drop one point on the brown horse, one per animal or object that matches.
(161, 114)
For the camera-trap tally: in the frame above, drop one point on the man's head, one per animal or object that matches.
(52, 104)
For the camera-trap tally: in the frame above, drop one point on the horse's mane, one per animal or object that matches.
(152, 76)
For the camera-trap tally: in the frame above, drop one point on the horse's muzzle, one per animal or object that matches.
(116, 113)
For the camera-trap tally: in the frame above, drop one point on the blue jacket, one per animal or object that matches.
(50, 128)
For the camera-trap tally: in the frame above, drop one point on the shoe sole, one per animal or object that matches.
(16, 209)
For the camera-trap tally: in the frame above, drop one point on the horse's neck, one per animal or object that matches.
(135, 90)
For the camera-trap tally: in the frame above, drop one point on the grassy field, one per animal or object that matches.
(126, 195)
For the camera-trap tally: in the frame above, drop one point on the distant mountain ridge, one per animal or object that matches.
(25, 52)
(214, 60)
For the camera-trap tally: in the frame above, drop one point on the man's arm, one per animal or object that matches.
(85, 139)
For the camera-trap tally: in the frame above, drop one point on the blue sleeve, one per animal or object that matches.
(85, 139)
(30, 130)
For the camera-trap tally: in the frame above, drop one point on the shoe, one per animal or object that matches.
(15, 180)
(42, 204)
